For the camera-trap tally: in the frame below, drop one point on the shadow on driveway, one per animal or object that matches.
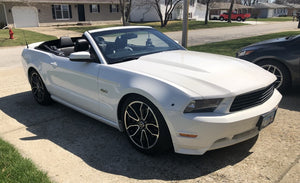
(106, 149)
(291, 100)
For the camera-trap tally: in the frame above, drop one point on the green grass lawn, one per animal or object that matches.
(231, 47)
(273, 19)
(16, 169)
(172, 26)
(19, 40)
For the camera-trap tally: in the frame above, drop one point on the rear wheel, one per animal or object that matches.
(221, 18)
(39, 91)
(283, 81)
(145, 126)
(239, 19)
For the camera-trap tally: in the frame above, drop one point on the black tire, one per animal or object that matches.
(38, 89)
(283, 81)
(222, 18)
(239, 19)
(145, 126)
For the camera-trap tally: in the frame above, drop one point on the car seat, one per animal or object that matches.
(81, 45)
(66, 45)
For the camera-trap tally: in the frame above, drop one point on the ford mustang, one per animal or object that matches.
(159, 94)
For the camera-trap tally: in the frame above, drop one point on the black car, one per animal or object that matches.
(280, 56)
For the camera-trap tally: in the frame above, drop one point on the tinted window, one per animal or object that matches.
(127, 44)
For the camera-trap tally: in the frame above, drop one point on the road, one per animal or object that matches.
(72, 147)
(203, 36)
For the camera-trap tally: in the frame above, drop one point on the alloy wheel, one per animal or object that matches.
(141, 125)
(277, 72)
(37, 87)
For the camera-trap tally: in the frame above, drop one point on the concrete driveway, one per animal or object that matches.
(72, 147)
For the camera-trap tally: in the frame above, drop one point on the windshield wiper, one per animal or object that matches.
(128, 59)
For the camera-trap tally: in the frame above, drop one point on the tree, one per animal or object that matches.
(170, 5)
(230, 11)
(125, 6)
(206, 12)
(249, 2)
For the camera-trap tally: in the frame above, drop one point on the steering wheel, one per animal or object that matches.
(128, 48)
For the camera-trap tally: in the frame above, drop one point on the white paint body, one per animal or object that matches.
(170, 80)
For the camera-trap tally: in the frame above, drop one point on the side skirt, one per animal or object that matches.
(92, 115)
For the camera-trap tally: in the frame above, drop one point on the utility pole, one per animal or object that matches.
(185, 21)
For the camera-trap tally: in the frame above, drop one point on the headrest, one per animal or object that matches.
(100, 39)
(81, 45)
(120, 42)
(66, 41)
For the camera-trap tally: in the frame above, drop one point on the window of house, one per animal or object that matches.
(61, 12)
(114, 8)
(95, 8)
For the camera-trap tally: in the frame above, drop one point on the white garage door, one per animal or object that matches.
(25, 16)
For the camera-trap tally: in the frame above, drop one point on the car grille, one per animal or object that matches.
(252, 99)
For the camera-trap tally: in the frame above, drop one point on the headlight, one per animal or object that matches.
(207, 105)
(244, 53)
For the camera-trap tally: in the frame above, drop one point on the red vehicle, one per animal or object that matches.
(235, 16)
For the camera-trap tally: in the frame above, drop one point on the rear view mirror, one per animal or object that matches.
(129, 36)
(82, 56)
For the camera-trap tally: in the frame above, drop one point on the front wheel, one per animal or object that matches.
(239, 19)
(280, 71)
(222, 18)
(145, 126)
(38, 89)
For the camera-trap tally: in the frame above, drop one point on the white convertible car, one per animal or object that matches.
(162, 96)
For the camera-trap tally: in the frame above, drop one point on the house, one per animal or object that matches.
(218, 8)
(293, 9)
(196, 11)
(144, 11)
(33, 13)
(267, 10)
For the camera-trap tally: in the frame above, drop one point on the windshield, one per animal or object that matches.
(129, 44)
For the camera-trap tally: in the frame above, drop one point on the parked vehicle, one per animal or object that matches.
(162, 96)
(235, 16)
(279, 56)
(214, 17)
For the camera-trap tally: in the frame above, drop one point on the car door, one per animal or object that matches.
(75, 82)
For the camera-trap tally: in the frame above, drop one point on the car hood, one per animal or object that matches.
(270, 41)
(202, 74)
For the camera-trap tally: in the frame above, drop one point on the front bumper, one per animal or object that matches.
(215, 130)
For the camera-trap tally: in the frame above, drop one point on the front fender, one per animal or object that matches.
(268, 57)
(163, 95)
(118, 83)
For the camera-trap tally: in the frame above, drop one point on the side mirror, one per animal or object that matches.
(82, 56)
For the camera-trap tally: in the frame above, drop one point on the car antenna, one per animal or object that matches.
(25, 39)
